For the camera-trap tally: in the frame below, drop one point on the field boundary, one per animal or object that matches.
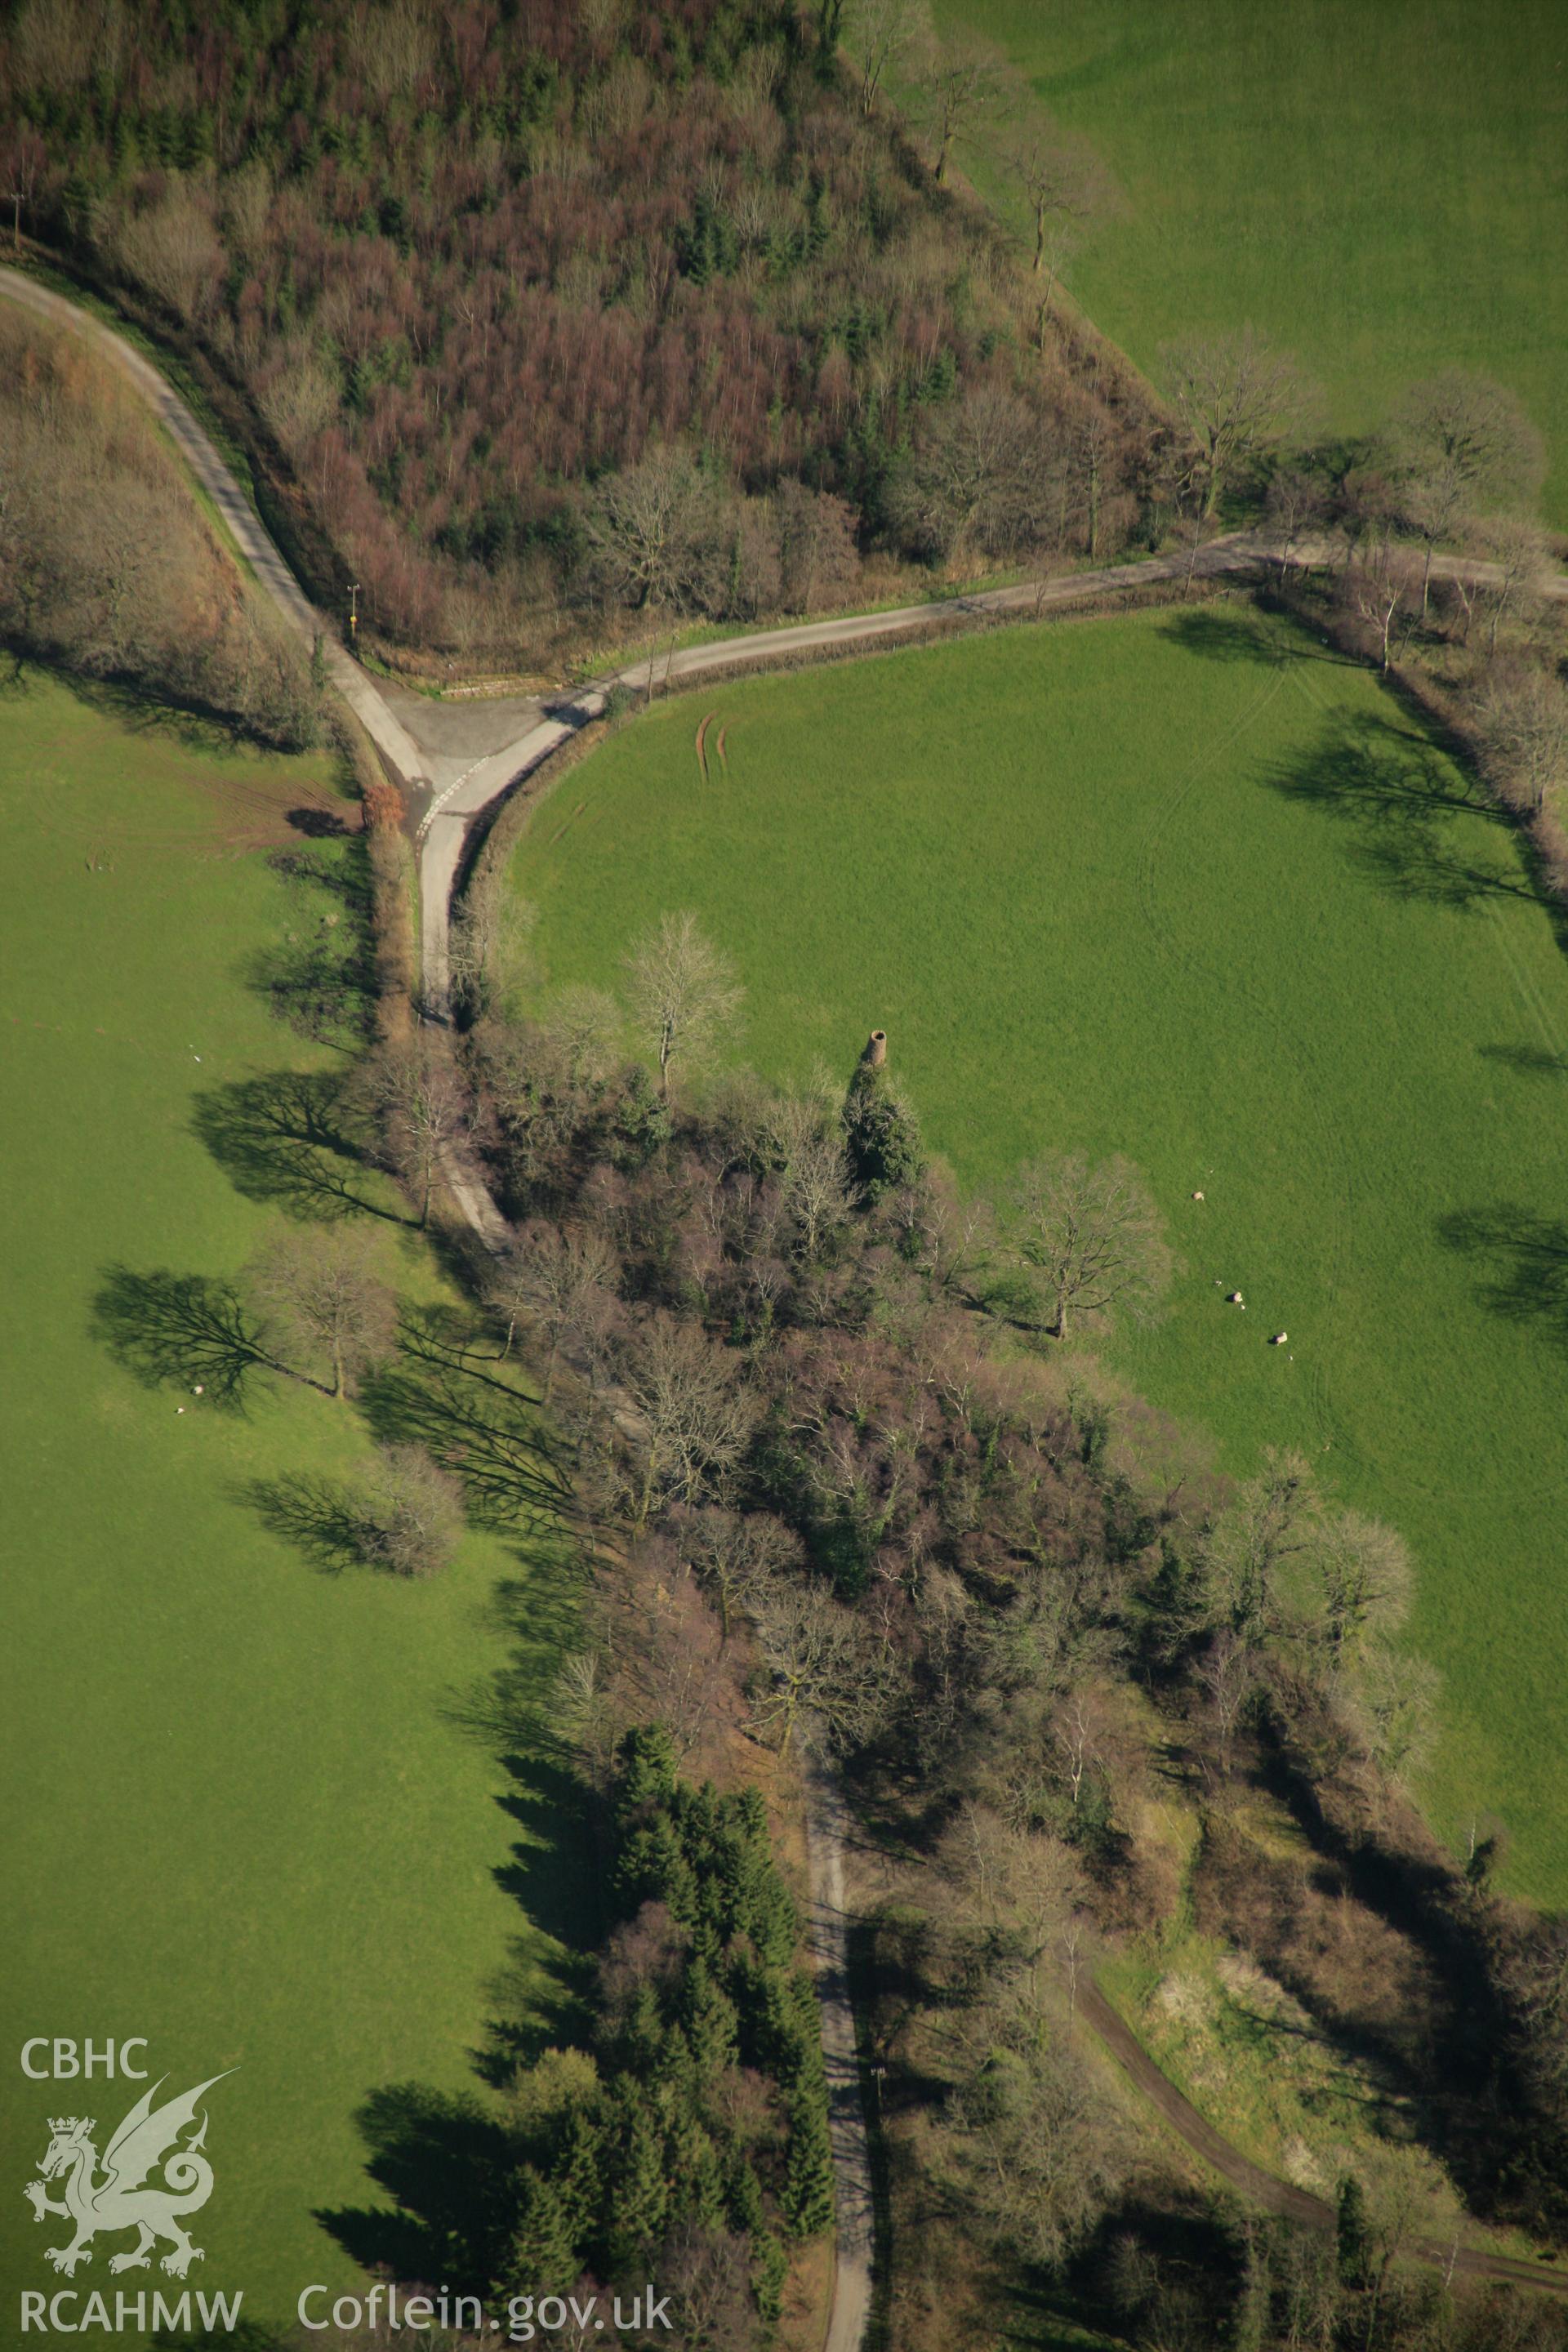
(444, 793)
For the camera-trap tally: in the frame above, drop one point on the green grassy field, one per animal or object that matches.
(243, 1817)
(1380, 190)
(1184, 884)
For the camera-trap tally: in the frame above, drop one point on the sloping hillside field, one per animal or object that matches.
(255, 1826)
(1185, 884)
(1379, 190)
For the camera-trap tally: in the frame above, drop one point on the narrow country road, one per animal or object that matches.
(827, 1932)
(449, 760)
(453, 762)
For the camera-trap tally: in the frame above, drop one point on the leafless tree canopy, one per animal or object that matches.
(1090, 1237)
(962, 85)
(1234, 395)
(414, 1518)
(1461, 445)
(319, 1287)
(980, 480)
(421, 1108)
(827, 1680)
(1522, 723)
(655, 532)
(877, 34)
(1466, 438)
(683, 993)
(693, 1414)
(558, 1284)
(106, 561)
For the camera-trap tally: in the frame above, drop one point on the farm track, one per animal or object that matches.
(1261, 2187)
(451, 768)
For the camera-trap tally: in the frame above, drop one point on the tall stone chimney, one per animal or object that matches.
(875, 1052)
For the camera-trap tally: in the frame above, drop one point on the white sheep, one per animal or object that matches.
(1280, 1338)
(1234, 1298)
(1197, 1196)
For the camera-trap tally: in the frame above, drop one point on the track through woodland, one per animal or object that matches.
(450, 771)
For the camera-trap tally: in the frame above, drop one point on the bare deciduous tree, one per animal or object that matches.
(490, 947)
(1235, 394)
(174, 247)
(583, 1024)
(1021, 1883)
(1379, 585)
(1090, 1237)
(562, 1284)
(827, 1679)
(1462, 442)
(818, 553)
(1367, 1579)
(1518, 550)
(960, 86)
(816, 1196)
(24, 159)
(1227, 1674)
(1251, 1547)
(694, 1414)
(415, 1513)
(318, 1286)
(683, 991)
(1295, 501)
(654, 531)
(1194, 531)
(1063, 187)
(1521, 725)
(421, 1108)
(877, 34)
(738, 1556)
(978, 477)
(1044, 2151)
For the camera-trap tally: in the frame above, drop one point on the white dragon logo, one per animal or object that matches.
(144, 2141)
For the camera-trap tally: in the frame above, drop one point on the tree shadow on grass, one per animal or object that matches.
(286, 1138)
(1409, 811)
(448, 2165)
(447, 2161)
(318, 980)
(186, 1328)
(1529, 1061)
(1523, 1257)
(318, 824)
(313, 988)
(342, 874)
(440, 1393)
(1221, 635)
(318, 1517)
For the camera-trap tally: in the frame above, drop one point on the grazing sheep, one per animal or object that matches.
(1280, 1338)
(1197, 1196)
(1234, 1298)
